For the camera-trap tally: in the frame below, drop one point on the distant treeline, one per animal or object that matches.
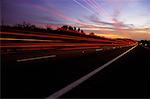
(24, 27)
(65, 29)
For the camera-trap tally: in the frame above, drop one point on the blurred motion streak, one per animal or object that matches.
(24, 42)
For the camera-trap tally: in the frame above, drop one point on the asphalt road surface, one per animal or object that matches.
(126, 77)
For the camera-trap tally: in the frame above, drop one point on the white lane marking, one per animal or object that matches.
(84, 78)
(83, 51)
(114, 47)
(99, 49)
(35, 58)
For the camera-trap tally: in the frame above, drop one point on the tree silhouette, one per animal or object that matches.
(49, 29)
(78, 29)
(74, 28)
(64, 27)
(70, 28)
(82, 31)
(92, 34)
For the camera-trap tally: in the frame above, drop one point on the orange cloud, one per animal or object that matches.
(137, 34)
(110, 35)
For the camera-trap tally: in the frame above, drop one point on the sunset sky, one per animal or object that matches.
(110, 18)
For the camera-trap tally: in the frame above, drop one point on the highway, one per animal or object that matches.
(40, 78)
(40, 65)
(128, 77)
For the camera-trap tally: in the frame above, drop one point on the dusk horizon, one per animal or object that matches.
(108, 18)
(53, 49)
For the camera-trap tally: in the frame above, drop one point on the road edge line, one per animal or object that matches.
(84, 78)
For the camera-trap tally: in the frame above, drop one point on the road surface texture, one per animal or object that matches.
(126, 77)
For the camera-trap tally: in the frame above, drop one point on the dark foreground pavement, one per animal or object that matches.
(127, 77)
